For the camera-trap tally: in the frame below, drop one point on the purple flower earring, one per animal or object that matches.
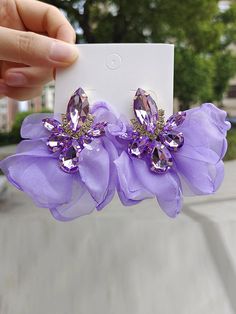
(65, 162)
(151, 138)
(169, 159)
(76, 132)
(73, 163)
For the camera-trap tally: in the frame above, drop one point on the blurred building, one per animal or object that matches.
(229, 101)
(3, 115)
(9, 107)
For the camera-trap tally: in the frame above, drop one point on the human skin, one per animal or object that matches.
(35, 38)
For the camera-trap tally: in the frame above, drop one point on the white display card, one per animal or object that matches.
(113, 72)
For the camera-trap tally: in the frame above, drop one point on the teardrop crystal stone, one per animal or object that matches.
(52, 125)
(175, 120)
(69, 159)
(98, 129)
(139, 147)
(145, 109)
(77, 109)
(161, 159)
(86, 142)
(56, 142)
(172, 140)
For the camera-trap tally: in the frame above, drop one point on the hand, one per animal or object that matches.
(35, 38)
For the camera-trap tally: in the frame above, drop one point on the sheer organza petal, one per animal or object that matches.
(35, 171)
(113, 154)
(217, 174)
(204, 154)
(130, 187)
(40, 177)
(199, 160)
(36, 147)
(32, 126)
(165, 187)
(196, 173)
(116, 126)
(80, 204)
(197, 165)
(26, 148)
(105, 165)
(102, 112)
(206, 127)
(94, 170)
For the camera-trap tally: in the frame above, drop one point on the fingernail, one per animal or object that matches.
(63, 53)
(15, 79)
(3, 89)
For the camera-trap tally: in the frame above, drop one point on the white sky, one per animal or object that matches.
(224, 5)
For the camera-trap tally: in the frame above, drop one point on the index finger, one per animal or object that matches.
(44, 18)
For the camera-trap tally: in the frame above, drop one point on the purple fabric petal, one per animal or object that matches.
(218, 128)
(130, 189)
(81, 203)
(104, 165)
(115, 126)
(94, 170)
(193, 163)
(205, 127)
(65, 194)
(166, 187)
(217, 173)
(32, 126)
(26, 148)
(118, 128)
(198, 161)
(40, 178)
(35, 171)
(37, 147)
(203, 154)
(102, 112)
(196, 173)
(113, 154)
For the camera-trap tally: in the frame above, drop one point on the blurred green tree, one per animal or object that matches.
(201, 32)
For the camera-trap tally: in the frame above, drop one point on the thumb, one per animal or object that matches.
(36, 50)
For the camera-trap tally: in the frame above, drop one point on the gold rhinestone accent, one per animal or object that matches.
(141, 129)
(83, 130)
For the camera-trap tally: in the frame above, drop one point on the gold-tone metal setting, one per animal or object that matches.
(141, 129)
(83, 130)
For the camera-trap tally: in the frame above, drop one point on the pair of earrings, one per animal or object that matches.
(148, 136)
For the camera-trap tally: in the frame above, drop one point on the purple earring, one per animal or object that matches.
(151, 138)
(76, 131)
(187, 150)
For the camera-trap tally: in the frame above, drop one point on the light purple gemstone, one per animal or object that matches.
(145, 109)
(77, 145)
(172, 140)
(139, 147)
(125, 136)
(97, 132)
(69, 159)
(52, 125)
(77, 109)
(129, 135)
(56, 142)
(98, 129)
(161, 159)
(175, 120)
(85, 142)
